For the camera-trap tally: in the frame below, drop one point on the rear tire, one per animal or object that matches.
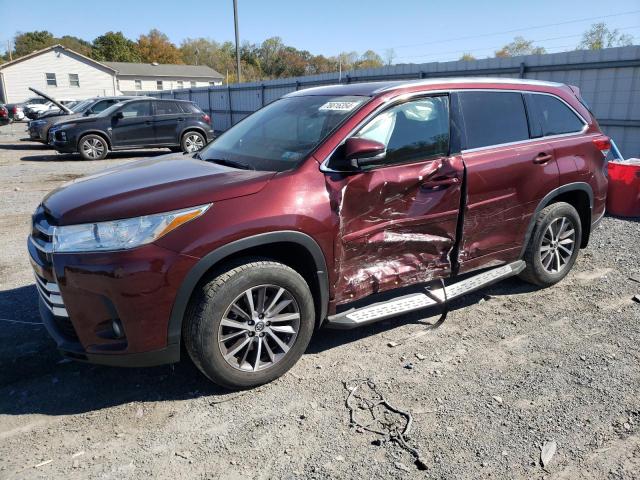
(192, 142)
(261, 338)
(93, 147)
(553, 246)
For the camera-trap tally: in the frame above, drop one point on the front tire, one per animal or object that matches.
(192, 141)
(250, 324)
(93, 147)
(553, 246)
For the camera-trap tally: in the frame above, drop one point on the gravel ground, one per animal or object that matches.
(512, 369)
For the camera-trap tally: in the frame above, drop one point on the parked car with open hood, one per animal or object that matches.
(39, 128)
(138, 123)
(340, 206)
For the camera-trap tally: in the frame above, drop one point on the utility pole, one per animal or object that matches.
(9, 50)
(235, 19)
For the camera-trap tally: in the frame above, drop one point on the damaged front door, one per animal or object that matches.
(398, 218)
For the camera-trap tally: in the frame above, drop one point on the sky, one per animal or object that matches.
(418, 31)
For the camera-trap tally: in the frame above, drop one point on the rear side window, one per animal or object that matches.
(493, 118)
(167, 108)
(551, 116)
(411, 131)
(188, 107)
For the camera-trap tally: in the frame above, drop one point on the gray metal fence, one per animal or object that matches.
(609, 81)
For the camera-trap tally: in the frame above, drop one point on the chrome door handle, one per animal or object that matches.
(542, 158)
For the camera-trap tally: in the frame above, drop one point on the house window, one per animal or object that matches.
(74, 80)
(213, 84)
(180, 84)
(51, 79)
(138, 84)
(193, 84)
(159, 85)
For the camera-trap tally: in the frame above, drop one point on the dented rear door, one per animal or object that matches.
(397, 222)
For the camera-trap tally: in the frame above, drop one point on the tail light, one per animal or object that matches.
(206, 118)
(603, 144)
(3, 112)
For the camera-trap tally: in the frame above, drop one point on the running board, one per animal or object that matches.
(417, 301)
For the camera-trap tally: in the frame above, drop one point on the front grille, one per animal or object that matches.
(42, 235)
(52, 299)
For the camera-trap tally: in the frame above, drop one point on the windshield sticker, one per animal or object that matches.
(339, 106)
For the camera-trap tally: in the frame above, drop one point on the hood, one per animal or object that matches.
(52, 100)
(160, 184)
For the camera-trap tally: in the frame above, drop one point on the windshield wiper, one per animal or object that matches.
(230, 163)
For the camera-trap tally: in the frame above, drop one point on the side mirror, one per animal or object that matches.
(359, 152)
(88, 112)
(118, 115)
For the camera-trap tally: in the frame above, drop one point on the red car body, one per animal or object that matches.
(348, 235)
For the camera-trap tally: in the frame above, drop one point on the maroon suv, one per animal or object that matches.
(300, 214)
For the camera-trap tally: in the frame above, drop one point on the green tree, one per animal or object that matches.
(599, 36)
(76, 44)
(28, 42)
(156, 47)
(467, 57)
(519, 46)
(115, 47)
(369, 59)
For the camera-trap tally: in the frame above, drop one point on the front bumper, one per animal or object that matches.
(81, 295)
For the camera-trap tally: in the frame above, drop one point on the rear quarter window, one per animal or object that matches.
(553, 116)
(493, 118)
(188, 107)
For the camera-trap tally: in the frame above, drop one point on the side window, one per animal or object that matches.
(101, 105)
(136, 109)
(188, 107)
(167, 108)
(553, 116)
(493, 118)
(411, 131)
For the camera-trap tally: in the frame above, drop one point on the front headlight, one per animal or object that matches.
(121, 234)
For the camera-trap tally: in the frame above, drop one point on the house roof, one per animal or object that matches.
(164, 70)
(54, 47)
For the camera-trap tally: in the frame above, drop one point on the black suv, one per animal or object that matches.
(39, 128)
(139, 123)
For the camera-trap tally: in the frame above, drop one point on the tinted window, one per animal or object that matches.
(553, 116)
(492, 118)
(189, 107)
(136, 109)
(101, 105)
(411, 131)
(167, 108)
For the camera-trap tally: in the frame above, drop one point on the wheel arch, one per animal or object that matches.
(99, 133)
(577, 194)
(274, 245)
(193, 128)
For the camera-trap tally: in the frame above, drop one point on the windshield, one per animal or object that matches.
(279, 136)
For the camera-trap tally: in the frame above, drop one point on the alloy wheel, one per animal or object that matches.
(93, 148)
(558, 244)
(259, 328)
(194, 142)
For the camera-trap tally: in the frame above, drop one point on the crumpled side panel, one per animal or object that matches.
(394, 230)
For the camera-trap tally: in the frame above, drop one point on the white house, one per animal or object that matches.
(65, 74)
(133, 78)
(57, 71)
